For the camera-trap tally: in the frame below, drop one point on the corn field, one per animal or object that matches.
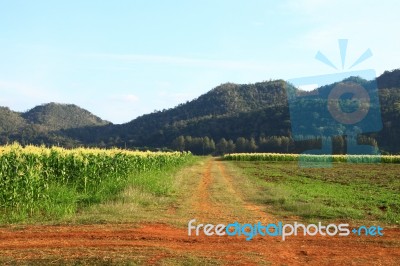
(312, 157)
(26, 173)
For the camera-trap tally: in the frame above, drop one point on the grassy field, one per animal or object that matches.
(362, 193)
(145, 221)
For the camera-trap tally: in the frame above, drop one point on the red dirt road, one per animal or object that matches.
(155, 242)
(163, 244)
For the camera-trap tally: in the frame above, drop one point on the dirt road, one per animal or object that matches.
(217, 198)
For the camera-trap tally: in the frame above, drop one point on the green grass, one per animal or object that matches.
(145, 197)
(358, 192)
(39, 184)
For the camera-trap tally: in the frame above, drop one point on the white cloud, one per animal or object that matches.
(22, 89)
(21, 96)
(130, 98)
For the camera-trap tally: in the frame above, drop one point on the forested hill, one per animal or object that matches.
(225, 100)
(42, 124)
(257, 113)
(199, 116)
(62, 116)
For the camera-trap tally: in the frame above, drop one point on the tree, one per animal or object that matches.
(241, 144)
(222, 146)
(285, 144)
(231, 147)
(251, 145)
(208, 146)
(338, 145)
(179, 144)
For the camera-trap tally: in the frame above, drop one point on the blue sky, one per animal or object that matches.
(121, 59)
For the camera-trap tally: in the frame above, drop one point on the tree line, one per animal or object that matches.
(277, 144)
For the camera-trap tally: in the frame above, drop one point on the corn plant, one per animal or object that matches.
(27, 172)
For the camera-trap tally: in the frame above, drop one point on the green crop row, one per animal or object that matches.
(312, 158)
(26, 173)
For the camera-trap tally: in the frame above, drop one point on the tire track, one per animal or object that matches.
(256, 214)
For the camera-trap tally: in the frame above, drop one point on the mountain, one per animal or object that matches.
(43, 124)
(55, 116)
(257, 113)
(203, 114)
(232, 111)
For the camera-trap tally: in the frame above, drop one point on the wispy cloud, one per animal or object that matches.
(21, 96)
(22, 89)
(26, 92)
(182, 61)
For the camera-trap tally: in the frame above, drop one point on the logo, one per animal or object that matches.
(344, 104)
(249, 231)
